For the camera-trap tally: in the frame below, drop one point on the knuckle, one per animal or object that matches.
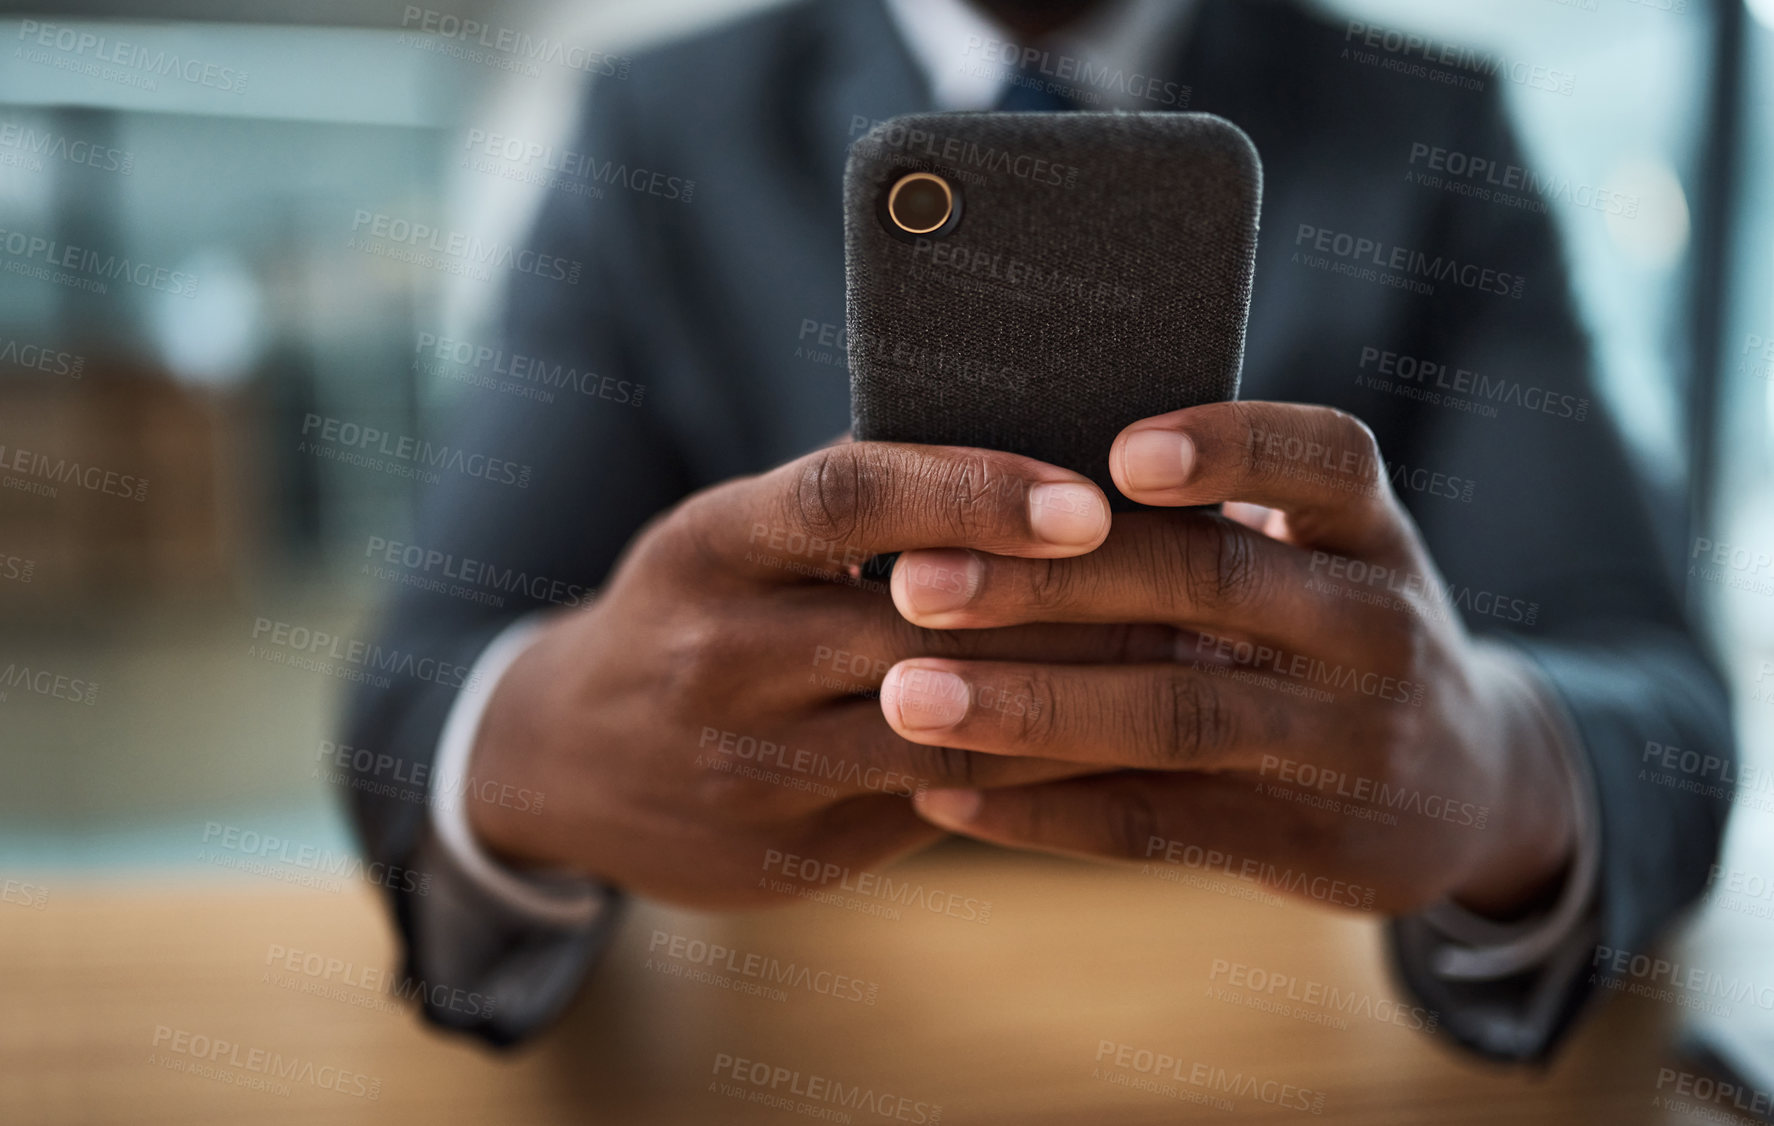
(1257, 465)
(1191, 720)
(1133, 822)
(700, 657)
(1422, 645)
(716, 788)
(1357, 437)
(1050, 583)
(1407, 641)
(1356, 434)
(1219, 565)
(832, 491)
(1024, 703)
(1044, 816)
(677, 541)
(970, 485)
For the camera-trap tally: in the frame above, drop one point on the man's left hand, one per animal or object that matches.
(1327, 716)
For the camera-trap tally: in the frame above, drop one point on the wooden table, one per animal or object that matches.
(112, 988)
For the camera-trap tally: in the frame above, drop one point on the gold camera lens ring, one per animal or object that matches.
(911, 186)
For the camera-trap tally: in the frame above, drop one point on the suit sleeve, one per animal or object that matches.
(1564, 553)
(574, 404)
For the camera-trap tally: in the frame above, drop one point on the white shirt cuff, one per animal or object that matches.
(1480, 949)
(558, 900)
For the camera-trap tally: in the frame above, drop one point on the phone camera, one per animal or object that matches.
(920, 205)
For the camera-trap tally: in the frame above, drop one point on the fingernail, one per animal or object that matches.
(926, 699)
(1068, 515)
(947, 807)
(940, 581)
(1156, 459)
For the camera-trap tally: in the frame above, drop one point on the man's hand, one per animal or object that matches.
(715, 701)
(1321, 641)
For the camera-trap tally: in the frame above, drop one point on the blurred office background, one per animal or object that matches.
(250, 179)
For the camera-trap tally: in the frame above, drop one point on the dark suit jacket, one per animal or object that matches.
(718, 305)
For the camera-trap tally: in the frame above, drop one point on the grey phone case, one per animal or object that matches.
(1096, 270)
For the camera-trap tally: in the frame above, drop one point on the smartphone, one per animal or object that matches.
(1034, 282)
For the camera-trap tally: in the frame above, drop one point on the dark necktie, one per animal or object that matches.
(1030, 91)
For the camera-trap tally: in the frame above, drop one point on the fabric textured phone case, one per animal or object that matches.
(1099, 272)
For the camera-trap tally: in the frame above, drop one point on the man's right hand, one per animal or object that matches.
(714, 702)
